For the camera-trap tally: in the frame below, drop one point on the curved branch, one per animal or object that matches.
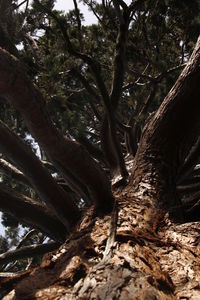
(175, 121)
(31, 212)
(49, 191)
(68, 156)
(25, 238)
(27, 251)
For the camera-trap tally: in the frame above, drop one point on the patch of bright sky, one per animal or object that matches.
(89, 17)
(67, 5)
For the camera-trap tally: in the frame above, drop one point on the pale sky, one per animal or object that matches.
(68, 4)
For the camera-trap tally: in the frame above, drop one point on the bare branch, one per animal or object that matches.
(21, 155)
(26, 237)
(148, 101)
(12, 172)
(79, 23)
(27, 251)
(119, 61)
(188, 188)
(31, 212)
(20, 4)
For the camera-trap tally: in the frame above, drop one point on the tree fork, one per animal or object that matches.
(173, 122)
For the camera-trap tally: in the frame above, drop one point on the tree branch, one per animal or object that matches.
(27, 251)
(190, 161)
(174, 122)
(49, 191)
(119, 61)
(31, 212)
(11, 172)
(69, 157)
(94, 65)
(78, 23)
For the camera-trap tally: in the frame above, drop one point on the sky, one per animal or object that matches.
(68, 4)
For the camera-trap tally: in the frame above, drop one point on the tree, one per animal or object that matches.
(117, 235)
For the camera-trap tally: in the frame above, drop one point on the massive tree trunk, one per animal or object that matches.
(136, 252)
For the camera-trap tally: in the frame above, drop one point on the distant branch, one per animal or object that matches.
(94, 65)
(17, 6)
(119, 61)
(78, 22)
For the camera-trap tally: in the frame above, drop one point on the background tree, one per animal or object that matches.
(80, 105)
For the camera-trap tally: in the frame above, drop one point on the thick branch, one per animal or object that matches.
(27, 251)
(69, 157)
(21, 155)
(31, 213)
(11, 172)
(176, 119)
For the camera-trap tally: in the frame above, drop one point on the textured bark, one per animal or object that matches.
(69, 157)
(136, 253)
(174, 122)
(31, 213)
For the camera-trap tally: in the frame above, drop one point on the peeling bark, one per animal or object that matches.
(139, 254)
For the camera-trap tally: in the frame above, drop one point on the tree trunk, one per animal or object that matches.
(136, 253)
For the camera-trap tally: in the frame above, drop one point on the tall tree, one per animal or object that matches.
(124, 227)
